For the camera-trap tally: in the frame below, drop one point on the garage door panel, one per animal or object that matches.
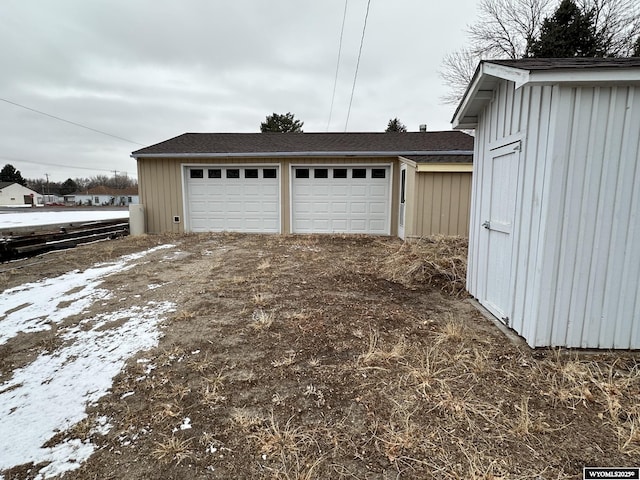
(321, 207)
(320, 225)
(377, 190)
(235, 203)
(377, 207)
(359, 226)
(341, 205)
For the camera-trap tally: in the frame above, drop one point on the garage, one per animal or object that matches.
(341, 199)
(233, 198)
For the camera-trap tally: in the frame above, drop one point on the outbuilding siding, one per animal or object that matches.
(575, 278)
(593, 221)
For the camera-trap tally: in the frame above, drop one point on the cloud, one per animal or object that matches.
(150, 70)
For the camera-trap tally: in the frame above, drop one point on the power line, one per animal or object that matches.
(13, 159)
(335, 80)
(69, 121)
(355, 76)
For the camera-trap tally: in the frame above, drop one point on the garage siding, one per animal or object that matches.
(161, 186)
(442, 204)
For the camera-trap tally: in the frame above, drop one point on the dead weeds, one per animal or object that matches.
(347, 357)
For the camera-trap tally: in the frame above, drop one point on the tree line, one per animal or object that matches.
(287, 123)
(69, 186)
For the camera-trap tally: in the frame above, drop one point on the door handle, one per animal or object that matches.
(486, 224)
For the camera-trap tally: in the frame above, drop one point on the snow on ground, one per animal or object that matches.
(34, 218)
(50, 394)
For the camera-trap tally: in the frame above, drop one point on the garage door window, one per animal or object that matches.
(196, 173)
(320, 173)
(215, 173)
(233, 173)
(251, 173)
(359, 173)
(302, 173)
(269, 173)
(339, 173)
(378, 173)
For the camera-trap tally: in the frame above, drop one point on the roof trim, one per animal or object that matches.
(480, 90)
(444, 167)
(302, 154)
(517, 75)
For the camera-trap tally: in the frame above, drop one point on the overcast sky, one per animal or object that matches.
(148, 70)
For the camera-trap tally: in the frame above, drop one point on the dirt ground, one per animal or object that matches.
(302, 357)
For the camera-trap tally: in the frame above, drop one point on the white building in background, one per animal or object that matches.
(104, 196)
(13, 194)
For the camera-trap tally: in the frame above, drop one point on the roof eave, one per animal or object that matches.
(301, 154)
(480, 92)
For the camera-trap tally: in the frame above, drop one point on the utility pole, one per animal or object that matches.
(47, 189)
(115, 179)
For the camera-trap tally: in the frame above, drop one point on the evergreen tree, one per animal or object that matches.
(68, 187)
(281, 123)
(395, 125)
(10, 174)
(569, 32)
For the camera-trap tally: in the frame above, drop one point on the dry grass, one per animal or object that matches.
(245, 419)
(172, 449)
(359, 378)
(437, 260)
(376, 354)
(276, 439)
(261, 320)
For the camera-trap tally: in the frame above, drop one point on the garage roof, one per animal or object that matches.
(528, 71)
(310, 144)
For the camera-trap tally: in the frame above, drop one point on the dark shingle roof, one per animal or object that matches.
(5, 184)
(568, 63)
(319, 143)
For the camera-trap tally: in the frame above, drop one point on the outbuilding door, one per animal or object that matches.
(501, 179)
(233, 198)
(341, 199)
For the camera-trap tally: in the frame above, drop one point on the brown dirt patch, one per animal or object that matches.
(326, 357)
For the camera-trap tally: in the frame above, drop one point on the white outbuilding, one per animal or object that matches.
(554, 239)
(12, 194)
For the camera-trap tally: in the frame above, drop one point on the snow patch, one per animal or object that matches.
(31, 307)
(50, 395)
(32, 219)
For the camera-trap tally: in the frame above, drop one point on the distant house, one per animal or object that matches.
(104, 196)
(13, 194)
(405, 184)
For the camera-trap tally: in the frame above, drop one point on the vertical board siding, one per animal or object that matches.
(598, 235)
(536, 120)
(576, 275)
(443, 204)
(473, 253)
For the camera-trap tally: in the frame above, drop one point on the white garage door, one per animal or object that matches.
(233, 198)
(341, 199)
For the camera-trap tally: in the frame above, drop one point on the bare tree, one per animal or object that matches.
(457, 71)
(505, 28)
(508, 28)
(617, 24)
